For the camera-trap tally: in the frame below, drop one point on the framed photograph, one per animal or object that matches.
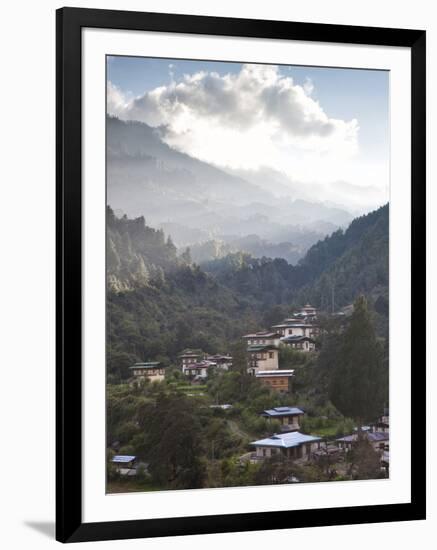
(240, 274)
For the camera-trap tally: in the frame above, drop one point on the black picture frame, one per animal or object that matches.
(69, 23)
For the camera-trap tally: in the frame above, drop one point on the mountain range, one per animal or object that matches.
(197, 203)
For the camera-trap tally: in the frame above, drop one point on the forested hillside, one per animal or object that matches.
(347, 263)
(160, 302)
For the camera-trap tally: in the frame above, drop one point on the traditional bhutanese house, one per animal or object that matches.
(295, 327)
(125, 464)
(153, 370)
(262, 351)
(199, 370)
(288, 417)
(262, 357)
(279, 379)
(379, 440)
(189, 356)
(301, 343)
(292, 445)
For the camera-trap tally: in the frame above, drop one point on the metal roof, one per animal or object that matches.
(123, 459)
(296, 339)
(292, 324)
(261, 347)
(286, 440)
(282, 411)
(274, 372)
(267, 335)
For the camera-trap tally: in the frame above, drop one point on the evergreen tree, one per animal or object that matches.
(357, 385)
(186, 256)
(171, 246)
(173, 441)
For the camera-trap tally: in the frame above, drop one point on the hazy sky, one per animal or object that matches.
(320, 126)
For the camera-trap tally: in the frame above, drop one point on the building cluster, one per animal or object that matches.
(291, 443)
(193, 363)
(196, 363)
(298, 332)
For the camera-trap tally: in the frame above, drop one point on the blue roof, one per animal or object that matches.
(123, 459)
(282, 411)
(286, 440)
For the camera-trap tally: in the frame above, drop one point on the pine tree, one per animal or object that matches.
(357, 386)
(186, 256)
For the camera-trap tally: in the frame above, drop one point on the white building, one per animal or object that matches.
(295, 327)
(293, 445)
(262, 351)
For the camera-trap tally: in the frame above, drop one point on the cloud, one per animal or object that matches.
(255, 117)
(116, 103)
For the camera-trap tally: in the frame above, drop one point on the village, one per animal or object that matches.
(288, 434)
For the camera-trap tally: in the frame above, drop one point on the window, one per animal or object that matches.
(271, 354)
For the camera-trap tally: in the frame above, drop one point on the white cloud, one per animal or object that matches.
(117, 103)
(257, 117)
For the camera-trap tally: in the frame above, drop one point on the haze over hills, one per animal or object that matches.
(202, 206)
(353, 261)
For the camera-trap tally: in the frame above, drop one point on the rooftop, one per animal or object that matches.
(282, 411)
(293, 324)
(266, 334)
(261, 347)
(123, 459)
(190, 353)
(286, 440)
(201, 365)
(148, 365)
(274, 373)
(296, 339)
